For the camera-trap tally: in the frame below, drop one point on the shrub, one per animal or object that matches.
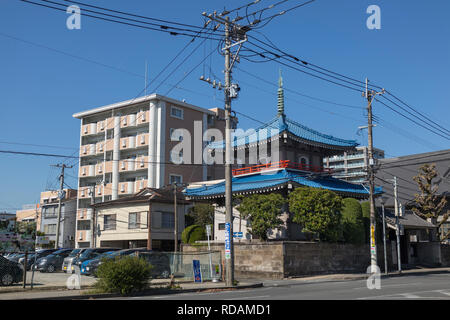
(123, 275)
(193, 233)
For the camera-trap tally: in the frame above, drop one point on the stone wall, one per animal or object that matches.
(445, 255)
(280, 259)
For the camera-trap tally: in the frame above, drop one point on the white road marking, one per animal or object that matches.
(392, 285)
(394, 295)
(244, 298)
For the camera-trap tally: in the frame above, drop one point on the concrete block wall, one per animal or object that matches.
(445, 255)
(280, 259)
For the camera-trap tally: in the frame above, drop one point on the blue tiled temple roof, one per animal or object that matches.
(279, 125)
(274, 179)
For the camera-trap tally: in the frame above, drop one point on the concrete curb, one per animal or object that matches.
(149, 292)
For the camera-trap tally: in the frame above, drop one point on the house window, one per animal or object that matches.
(221, 226)
(84, 225)
(176, 112)
(175, 178)
(109, 222)
(50, 229)
(134, 220)
(167, 220)
(49, 212)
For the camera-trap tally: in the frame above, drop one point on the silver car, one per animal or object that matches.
(67, 263)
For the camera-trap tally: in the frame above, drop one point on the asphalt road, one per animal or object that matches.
(406, 287)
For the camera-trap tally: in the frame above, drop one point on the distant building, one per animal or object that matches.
(405, 168)
(126, 147)
(30, 213)
(49, 217)
(352, 165)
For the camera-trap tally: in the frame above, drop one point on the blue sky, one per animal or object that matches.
(40, 88)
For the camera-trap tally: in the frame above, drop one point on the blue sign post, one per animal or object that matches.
(197, 271)
(227, 241)
(238, 235)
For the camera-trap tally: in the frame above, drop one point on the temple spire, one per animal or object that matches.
(280, 96)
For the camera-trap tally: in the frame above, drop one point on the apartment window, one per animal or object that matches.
(109, 222)
(167, 220)
(134, 220)
(176, 112)
(83, 225)
(50, 229)
(175, 178)
(49, 212)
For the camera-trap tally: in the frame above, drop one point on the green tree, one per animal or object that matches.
(428, 203)
(352, 221)
(317, 210)
(201, 214)
(262, 211)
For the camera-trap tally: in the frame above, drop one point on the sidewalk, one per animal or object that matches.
(160, 285)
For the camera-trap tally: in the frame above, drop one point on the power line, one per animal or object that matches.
(125, 23)
(419, 124)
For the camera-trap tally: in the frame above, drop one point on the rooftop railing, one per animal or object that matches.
(284, 164)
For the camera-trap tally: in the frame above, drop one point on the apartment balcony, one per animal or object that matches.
(101, 126)
(83, 235)
(142, 117)
(126, 187)
(140, 184)
(100, 147)
(84, 214)
(89, 129)
(87, 171)
(88, 150)
(140, 140)
(135, 164)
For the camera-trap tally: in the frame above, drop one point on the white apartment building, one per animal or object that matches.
(351, 166)
(125, 147)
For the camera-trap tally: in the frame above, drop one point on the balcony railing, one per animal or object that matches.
(284, 164)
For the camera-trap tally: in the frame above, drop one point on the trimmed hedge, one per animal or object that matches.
(193, 233)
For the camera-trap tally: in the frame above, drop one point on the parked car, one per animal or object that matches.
(84, 269)
(16, 256)
(88, 254)
(67, 262)
(53, 261)
(93, 265)
(10, 272)
(160, 262)
(34, 256)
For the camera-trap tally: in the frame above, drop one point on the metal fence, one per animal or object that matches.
(181, 264)
(15, 273)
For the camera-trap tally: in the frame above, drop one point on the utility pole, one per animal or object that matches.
(397, 224)
(384, 238)
(237, 34)
(61, 195)
(93, 242)
(149, 224)
(370, 95)
(175, 216)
